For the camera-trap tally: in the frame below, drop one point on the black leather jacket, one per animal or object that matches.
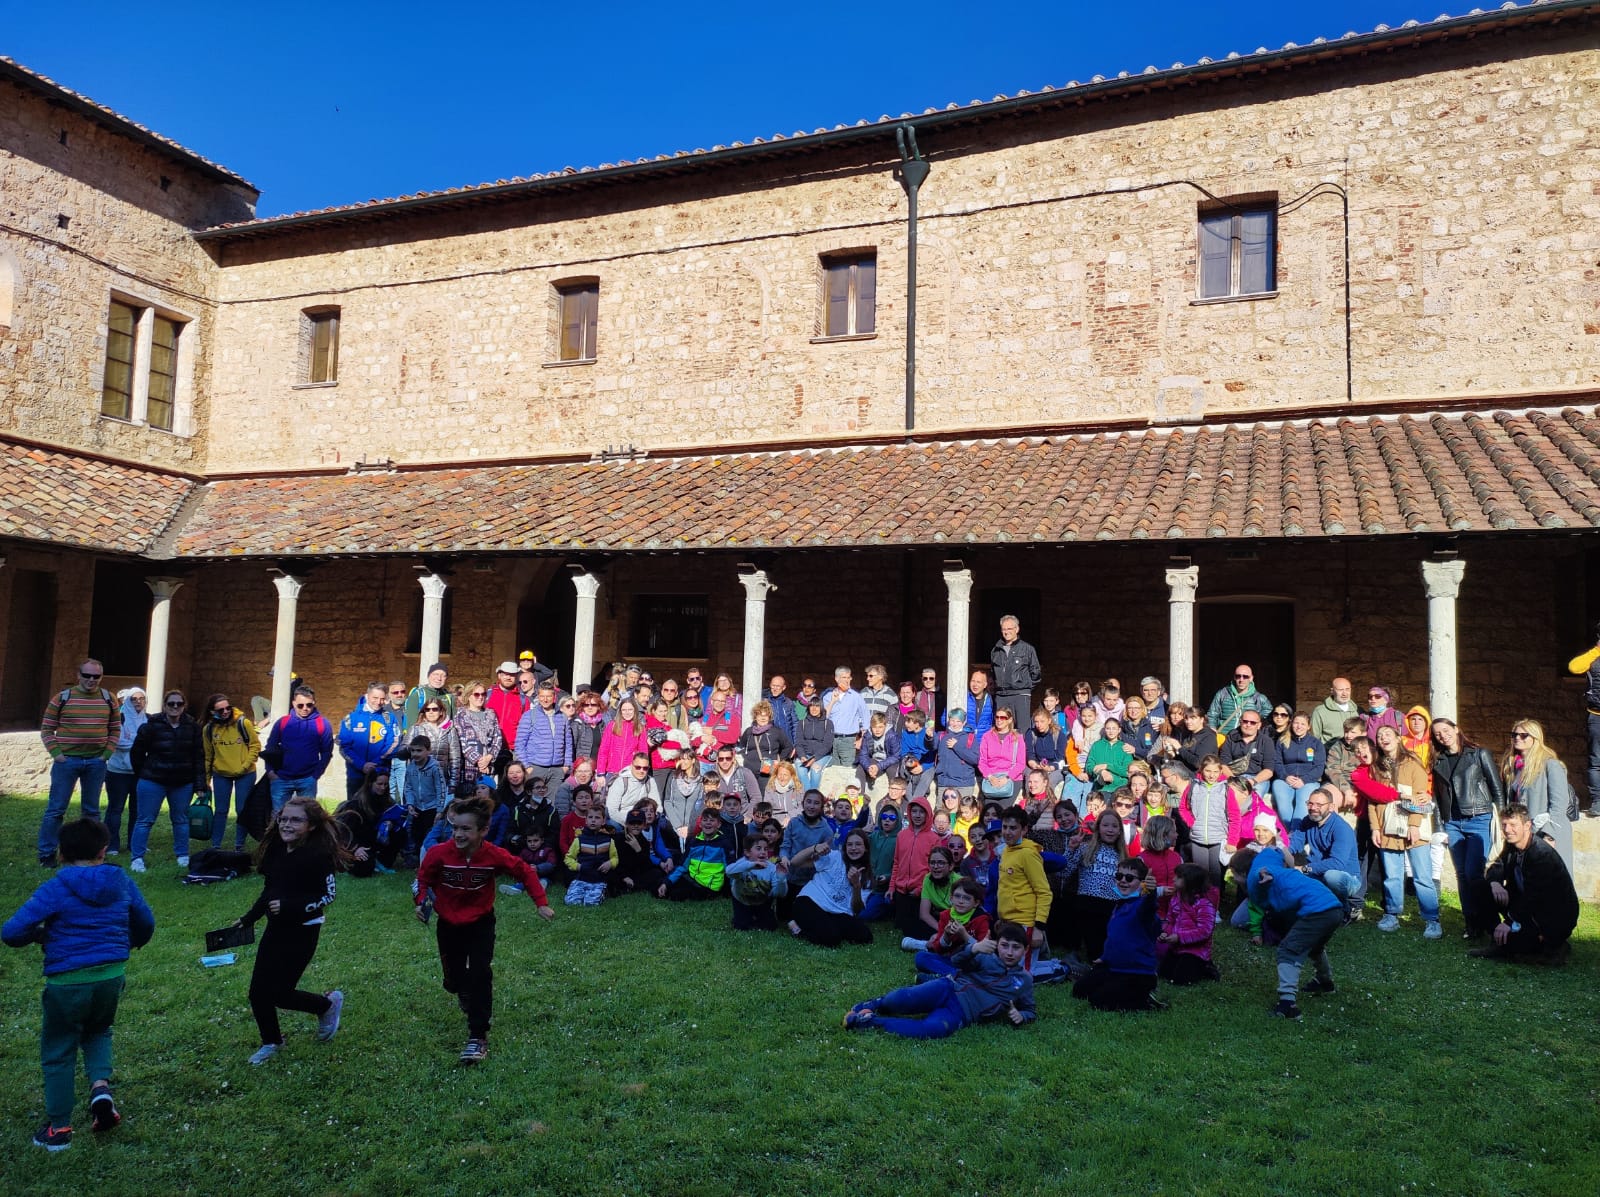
(1466, 783)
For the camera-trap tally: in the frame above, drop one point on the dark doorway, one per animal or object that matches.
(545, 624)
(119, 619)
(30, 640)
(1257, 632)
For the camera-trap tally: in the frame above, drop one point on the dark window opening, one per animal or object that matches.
(119, 618)
(670, 625)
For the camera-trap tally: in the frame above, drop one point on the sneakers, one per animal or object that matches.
(328, 1020)
(182, 862)
(53, 1138)
(1389, 922)
(510, 890)
(1433, 931)
(112, 852)
(136, 865)
(912, 945)
(49, 862)
(860, 1015)
(1286, 1009)
(264, 1053)
(476, 1052)
(1316, 986)
(103, 1110)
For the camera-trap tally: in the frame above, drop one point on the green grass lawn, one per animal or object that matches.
(647, 1048)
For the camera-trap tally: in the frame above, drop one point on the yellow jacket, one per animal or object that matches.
(1024, 894)
(231, 747)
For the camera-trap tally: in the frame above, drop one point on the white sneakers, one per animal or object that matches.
(183, 862)
(136, 865)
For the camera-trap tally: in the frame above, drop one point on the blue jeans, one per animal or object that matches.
(811, 777)
(932, 962)
(936, 999)
(1594, 763)
(223, 790)
(285, 788)
(1469, 850)
(1075, 791)
(66, 773)
(875, 906)
(1291, 802)
(119, 788)
(1344, 885)
(150, 795)
(1394, 881)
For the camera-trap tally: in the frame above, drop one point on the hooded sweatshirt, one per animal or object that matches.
(231, 746)
(87, 916)
(132, 721)
(911, 850)
(1327, 719)
(1287, 891)
(1023, 894)
(1421, 746)
(1131, 936)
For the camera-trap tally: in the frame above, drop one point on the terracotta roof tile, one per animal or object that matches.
(1318, 478)
(62, 498)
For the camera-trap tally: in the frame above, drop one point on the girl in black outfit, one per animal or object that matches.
(298, 859)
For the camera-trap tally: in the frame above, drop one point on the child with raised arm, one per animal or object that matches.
(87, 916)
(991, 983)
(1124, 977)
(460, 874)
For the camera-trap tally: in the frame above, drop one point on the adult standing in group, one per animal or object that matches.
(980, 703)
(847, 712)
(508, 703)
(1155, 699)
(782, 707)
(368, 738)
(80, 729)
(1395, 786)
(1467, 789)
(231, 750)
(436, 687)
(1016, 671)
(1530, 894)
(1536, 778)
(478, 732)
(119, 770)
(1588, 664)
(298, 749)
(1234, 700)
(169, 760)
(1327, 720)
(544, 743)
(930, 699)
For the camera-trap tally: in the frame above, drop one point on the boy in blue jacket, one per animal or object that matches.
(1316, 911)
(87, 916)
(1124, 978)
(992, 981)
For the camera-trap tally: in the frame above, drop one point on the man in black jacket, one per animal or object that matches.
(1016, 672)
(1532, 892)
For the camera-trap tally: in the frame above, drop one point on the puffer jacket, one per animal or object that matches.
(168, 754)
(1466, 783)
(85, 915)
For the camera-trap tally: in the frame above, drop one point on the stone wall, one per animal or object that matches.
(84, 213)
(1056, 276)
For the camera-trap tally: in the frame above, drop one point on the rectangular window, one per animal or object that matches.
(116, 396)
(850, 294)
(163, 372)
(580, 319)
(324, 346)
(1238, 252)
(670, 625)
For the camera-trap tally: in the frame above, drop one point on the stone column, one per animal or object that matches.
(1442, 582)
(1181, 584)
(756, 587)
(587, 586)
(957, 649)
(433, 588)
(283, 651)
(155, 669)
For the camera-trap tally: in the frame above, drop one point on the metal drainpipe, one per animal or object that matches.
(913, 170)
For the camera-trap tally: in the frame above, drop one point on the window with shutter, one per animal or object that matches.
(1237, 251)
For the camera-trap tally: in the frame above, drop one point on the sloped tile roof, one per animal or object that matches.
(1410, 33)
(1367, 476)
(59, 497)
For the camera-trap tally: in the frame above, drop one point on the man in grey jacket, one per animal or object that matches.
(1016, 671)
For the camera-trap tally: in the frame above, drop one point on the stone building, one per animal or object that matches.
(1289, 357)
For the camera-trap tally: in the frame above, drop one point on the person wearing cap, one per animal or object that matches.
(434, 688)
(526, 661)
(119, 769)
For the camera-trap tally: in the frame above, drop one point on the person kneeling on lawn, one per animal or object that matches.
(1314, 913)
(1124, 978)
(1530, 891)
(459, 874)
(990, 984)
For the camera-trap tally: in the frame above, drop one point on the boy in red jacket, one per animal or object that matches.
(458, 877)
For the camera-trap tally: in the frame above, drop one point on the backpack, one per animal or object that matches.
(200, 819)
(105, 697)
(215, 864)
(391, 826)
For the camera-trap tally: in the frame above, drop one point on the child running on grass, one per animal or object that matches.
(991, 984)
(460, 875)
(297, 859)
(87, 916)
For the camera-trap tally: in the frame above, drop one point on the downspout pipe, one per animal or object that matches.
(913, 170)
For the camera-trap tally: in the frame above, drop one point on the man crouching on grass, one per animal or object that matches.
(458, 877)
(1314, 913)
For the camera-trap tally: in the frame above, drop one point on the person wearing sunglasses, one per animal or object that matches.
(169, 760)
(299, 749)
(1536, 779)
(1234, 700)
(368, 737)
(80, 729)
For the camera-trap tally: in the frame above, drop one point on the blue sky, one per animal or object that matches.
(336, 103)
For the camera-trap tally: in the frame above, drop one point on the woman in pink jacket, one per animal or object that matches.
(625, 736)
(1002, 757)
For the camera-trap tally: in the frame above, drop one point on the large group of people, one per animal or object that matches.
(1009, 834)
